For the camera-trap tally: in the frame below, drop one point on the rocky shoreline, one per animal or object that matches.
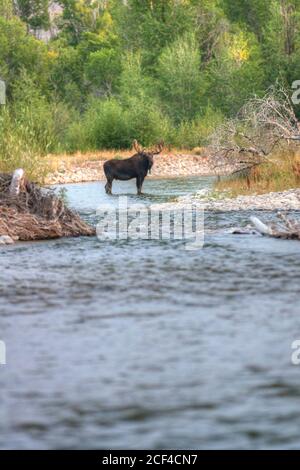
(166, 166)
(280, 201)
(183, 165)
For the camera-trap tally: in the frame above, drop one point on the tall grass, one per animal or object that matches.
(18, 148)
(282, 172)
(30, 127)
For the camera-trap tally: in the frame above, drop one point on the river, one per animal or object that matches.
(143, 344)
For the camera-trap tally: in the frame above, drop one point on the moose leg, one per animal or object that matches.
(139, 184)
(108, 186)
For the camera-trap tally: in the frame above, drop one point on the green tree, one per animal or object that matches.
(253, 14)
(102, 54)
(236, 73)
(181, 83)
(211, 24)
(103, 70)
(281, 42)
(6, 9)
(133, 82)
(79, 17)
(66, 75)
(150, 25)
(35, 13)
(20, 51)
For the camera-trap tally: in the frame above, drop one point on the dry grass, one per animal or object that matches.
(198, 151)
(280, 174)
(69, 161)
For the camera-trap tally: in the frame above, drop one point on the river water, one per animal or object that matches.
(143, 344)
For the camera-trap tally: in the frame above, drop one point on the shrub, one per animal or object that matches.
(46, 121)
(108, 124)
(147, 123)
(102, 126)
(191, 134)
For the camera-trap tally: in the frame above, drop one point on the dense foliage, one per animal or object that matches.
(89, 74)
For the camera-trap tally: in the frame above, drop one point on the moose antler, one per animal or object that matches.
(137, 147)
(158, 148)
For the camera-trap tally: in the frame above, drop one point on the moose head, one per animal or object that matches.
(148, 154)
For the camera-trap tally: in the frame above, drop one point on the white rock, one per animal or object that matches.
(6, 240)
(17, 178)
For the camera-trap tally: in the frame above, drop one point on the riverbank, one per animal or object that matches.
(80, 168)
(275, 201)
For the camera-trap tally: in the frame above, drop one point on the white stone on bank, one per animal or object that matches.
(6, 240)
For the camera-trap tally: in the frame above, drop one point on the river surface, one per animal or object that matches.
(143, 344)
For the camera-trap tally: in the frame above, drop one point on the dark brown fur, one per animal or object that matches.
(137, 166)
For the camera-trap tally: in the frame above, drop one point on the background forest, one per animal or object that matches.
(84, 75)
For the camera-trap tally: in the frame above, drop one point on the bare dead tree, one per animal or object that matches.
(251, 137)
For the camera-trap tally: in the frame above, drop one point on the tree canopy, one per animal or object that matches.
(170, 67)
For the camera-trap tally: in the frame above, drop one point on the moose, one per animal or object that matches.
(137, 166)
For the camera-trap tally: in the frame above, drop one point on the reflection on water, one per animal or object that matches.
(141, 344)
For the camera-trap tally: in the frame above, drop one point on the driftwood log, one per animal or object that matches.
(28, 212)
(287, 228)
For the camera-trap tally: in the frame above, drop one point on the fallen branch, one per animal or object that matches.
(261, 227)
(288, 229)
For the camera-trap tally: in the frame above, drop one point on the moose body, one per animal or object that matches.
(137, 166)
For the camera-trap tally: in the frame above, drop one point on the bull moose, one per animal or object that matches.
(137, 166)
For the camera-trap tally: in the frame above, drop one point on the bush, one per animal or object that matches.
(46, 122)
(147, 123)
(108, 124)
(18, 148)
(102, 126)
(191, 134)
